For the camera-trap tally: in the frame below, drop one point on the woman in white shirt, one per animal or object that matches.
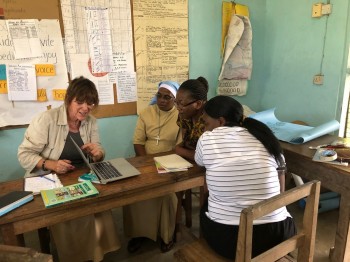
(242, 158)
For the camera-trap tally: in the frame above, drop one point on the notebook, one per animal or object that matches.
(111, 170)
(14, 200)
(56, 196)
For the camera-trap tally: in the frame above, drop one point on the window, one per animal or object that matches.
(344, 130)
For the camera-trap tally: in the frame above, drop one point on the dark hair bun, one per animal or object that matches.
(204, 82)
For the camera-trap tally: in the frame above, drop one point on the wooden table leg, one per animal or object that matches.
(10, 238)
(187, 203)
(44, 239)
(341, 251)
(178, 215)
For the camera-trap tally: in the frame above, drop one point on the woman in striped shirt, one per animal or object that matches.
(242, 158)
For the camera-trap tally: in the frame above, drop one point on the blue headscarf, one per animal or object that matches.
(170, 85)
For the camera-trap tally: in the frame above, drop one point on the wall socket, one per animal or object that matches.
(321, 9)
(326, 9)
(318, 79)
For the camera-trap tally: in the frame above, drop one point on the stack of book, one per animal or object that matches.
(171, 163)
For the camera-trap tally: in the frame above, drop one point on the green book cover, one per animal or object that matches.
(56, 196)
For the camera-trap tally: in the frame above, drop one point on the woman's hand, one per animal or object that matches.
(59, 166)
(93, 150)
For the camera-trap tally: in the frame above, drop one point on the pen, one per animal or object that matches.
(48, 179)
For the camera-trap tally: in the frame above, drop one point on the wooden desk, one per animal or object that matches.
(333, 177)
(148, 185)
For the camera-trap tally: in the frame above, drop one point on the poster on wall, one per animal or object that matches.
(101, 29)
(161, 45)
(19, 112)
(237, 62)
(229, 87)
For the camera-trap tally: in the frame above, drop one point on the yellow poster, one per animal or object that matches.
(45, 70)
(42, 97)
(161, 45)
(58, 94)
(3, 86)
(229, 9)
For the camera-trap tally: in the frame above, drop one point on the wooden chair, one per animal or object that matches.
(304, 241)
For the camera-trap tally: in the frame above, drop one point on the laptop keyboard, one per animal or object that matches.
(106, 170)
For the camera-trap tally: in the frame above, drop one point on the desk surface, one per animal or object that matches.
(147, 185)
(333, 177)
(299, 161)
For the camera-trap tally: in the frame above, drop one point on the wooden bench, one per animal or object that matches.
(23, 254)
(304, 241)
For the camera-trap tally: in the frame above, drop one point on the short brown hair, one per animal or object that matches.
(83, 90)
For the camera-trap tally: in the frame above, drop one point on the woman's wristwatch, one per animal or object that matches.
(43, 166)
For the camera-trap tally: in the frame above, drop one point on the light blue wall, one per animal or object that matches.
(287, 50)
(294, 45)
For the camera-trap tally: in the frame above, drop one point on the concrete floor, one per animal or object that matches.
(150, 250)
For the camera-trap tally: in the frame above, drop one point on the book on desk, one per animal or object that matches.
(56, 196)
(14, 200)
(171, 163)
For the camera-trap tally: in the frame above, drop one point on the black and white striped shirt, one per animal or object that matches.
(239, 172)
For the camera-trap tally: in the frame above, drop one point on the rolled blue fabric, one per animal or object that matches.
(328, 201)
(172, 86)
(328, 204)
(328, 195)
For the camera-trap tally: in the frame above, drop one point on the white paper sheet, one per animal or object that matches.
(25, 38)
(237, 62)
(99, 38)
(126, 87)
(21, 82)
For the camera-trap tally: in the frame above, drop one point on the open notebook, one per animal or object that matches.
(38, 183)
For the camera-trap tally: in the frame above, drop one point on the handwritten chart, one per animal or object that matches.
(161, 45)
(24, 36)
(100, 40)
(120, 28)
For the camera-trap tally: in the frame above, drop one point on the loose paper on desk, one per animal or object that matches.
(37, 183)
(293, 133)
(172, 163)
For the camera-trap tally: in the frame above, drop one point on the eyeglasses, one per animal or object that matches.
(80, 103)
(182, 106)
(165, 97)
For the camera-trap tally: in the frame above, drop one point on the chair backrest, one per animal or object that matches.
(304, 241)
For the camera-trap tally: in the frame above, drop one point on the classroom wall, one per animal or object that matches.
(294, 45)
(116, 132)
(287, 52)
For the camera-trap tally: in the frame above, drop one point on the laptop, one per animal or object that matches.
(110, 170)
